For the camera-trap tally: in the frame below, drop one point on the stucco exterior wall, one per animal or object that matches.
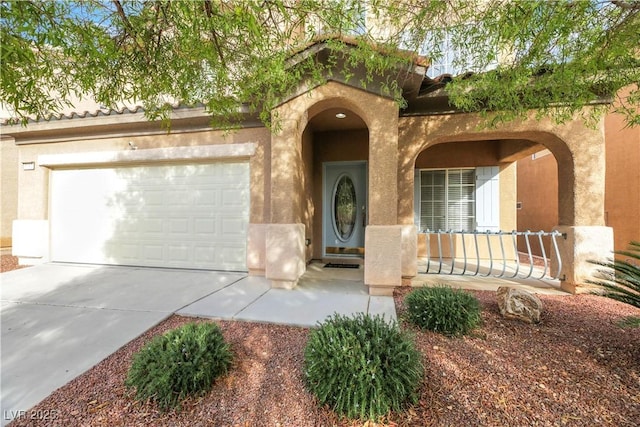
(622, 186)
(287, 167)
(581, 170)
(9, 166)
(538, 195)
(288, 196)
(380, 115)
(538, 186)
(465, 154)
(68, 141)
(286, 174)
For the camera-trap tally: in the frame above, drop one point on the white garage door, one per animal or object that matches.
(180, 216)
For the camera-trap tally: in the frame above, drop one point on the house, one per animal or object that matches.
(346, 175)
(538, 185)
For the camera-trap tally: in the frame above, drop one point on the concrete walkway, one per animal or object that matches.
(59, 320)
(319, 294)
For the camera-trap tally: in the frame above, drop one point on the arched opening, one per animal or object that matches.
(578, 151)
(312, 136)
(469, 189)
(335, 152)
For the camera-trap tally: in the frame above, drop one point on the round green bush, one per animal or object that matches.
(443, 310)
(182, 362)
(362, 367)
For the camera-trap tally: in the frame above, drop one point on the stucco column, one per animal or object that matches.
(383, 235)
(383, 164)
(581, 198)
(407, 153)
(285, 262)
(284, 235)
(260, 210)
(287, 166)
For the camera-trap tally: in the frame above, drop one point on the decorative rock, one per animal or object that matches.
(519, 304)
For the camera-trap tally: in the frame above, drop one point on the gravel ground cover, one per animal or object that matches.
(575, 368)
(8, 263)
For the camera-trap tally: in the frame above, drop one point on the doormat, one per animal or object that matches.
(334, 265)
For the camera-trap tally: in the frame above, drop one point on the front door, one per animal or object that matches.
(344, 208)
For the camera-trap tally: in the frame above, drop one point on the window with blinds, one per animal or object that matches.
(447, 199)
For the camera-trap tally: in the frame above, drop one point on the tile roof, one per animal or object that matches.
(102, 112)
(75, 115)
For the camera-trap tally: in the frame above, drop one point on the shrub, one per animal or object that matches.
(362, 367)
(621, 278)
(182, 362)
(629, 322)
(443, 310)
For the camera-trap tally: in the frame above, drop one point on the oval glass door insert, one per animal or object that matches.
(344, 207)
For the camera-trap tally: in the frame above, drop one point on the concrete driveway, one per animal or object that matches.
(60, 320)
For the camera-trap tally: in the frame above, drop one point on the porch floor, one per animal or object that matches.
(320, 293)
(353, 279)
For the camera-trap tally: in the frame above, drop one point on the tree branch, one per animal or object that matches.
(627, 4)
(209, 11)
(130, 30)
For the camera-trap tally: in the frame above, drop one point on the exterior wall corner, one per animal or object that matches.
(285, 254)
(256, 249)
(409, 251)
(383, 262)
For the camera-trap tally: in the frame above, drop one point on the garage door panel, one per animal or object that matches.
(205, 254)
(129, 253)
(180, 253)
(205, 226)
(210, 200)
(230, 253)
(232, 226)
(152, 215)
(153, 226)
(179, 225)
(153, 198)
(154, 253)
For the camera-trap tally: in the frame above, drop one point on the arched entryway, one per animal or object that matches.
(335, 150)
(309, 140)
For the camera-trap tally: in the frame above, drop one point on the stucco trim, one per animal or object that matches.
(195, 153)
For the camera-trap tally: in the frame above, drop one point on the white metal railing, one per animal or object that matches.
(508, 264)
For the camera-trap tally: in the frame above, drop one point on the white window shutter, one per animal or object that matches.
(487, 198)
